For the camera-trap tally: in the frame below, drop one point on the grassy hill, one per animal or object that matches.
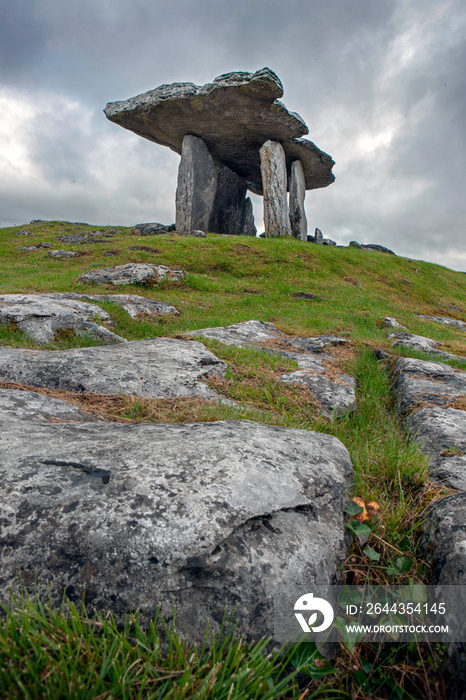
(304, 289)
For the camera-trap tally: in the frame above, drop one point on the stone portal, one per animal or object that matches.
(220, 130)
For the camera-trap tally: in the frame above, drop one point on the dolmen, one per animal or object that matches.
(233, 135)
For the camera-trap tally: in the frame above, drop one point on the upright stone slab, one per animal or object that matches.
(231, 213)
(298, 219)
(273, 169)
(197, 186)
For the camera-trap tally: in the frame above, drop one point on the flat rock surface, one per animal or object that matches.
(24, 405)
(421, 344)
(441, 432)
(202, 516)
(234, 115)
(454, 322)
(132, 273)
(444, 547)
(133, 304)
(41, 316)
(420, 381)
(154, 368)
(335, 391)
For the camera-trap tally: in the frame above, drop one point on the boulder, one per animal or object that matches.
(153, 229)
(420, 381)
(335, 391)
(329, 241)
(390, 322)
(63, 254)
(42, 316)
(133, 304)
(154, 368)
(23, 232)
(90, 237)
(197, 186)
(421, 344)
(370, 246)
(24, 405)
(274, 180)
(453, 322)
(203, 516)
(234, 115)
(441, 433)
(298, 219)
(444, 547)
(132, 273)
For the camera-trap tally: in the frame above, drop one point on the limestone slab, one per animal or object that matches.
(335, 391)
(133, 304)
(421, 344)
(420, 381)
(154, 368)
(42, 316)
(234, 115)
(132, 273)
(444, 320)
(441, 432)
(25, 405)
(204, 516)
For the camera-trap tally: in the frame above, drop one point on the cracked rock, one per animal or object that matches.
(421, 344)
(154, 368)
(41, 316)
(421, 381)
(335, 392)
(204, 516)
(132, 273)
(441, 433)
(24, 405)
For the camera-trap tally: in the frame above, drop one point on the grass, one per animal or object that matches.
(231, 280)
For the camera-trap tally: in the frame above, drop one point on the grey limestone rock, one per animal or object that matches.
(132, 273)
(441, 432)
(63, 254)
(422, 344)
(420, 381)
(203, 516)
(328, 241)
(197, 186)
(370, 246)
(444, 547)
(24, 405)
(42, 316)
(390, 322)
(335, 392)
(318, 237)
(90, 237)
(454, 322)
(23, 232)
(153, 229)
(274, 180)
(298, 219)
(234, 115)
(133, 304)
(154, 368)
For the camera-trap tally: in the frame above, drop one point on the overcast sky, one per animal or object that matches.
(380, 84)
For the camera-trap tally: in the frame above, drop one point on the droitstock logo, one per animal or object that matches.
(308, 604)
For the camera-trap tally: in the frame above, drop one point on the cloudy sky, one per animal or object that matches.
(380, 84)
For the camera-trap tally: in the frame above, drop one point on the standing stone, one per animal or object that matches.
(318, 237)
(249, 227)
(298, 219)
(231, 213)
(197, 186)
(273, 169)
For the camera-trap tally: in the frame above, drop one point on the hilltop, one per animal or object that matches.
(305, 290)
